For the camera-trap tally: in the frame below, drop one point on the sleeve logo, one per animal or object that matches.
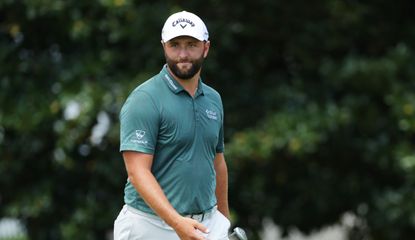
(139, 135)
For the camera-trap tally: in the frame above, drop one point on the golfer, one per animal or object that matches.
(172, 145)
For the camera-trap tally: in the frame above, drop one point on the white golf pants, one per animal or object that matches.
(132, 224)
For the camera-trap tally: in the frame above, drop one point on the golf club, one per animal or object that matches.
(238, 234)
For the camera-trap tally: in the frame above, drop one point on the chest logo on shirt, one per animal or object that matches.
(139, 136)
(211, 114)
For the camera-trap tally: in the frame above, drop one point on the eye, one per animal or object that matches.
(173, 45)
(192, 44)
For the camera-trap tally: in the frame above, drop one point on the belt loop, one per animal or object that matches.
(203, 217)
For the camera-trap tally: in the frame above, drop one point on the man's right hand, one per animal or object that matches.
(190, 229)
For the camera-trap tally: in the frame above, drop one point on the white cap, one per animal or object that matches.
(184, 24)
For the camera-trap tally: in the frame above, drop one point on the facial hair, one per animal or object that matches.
(185, 74)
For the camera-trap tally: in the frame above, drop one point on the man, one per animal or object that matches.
(172, 145)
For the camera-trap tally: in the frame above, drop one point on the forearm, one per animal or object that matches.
(222, 185)
(149, 189)
(138, 168)
(139, 173)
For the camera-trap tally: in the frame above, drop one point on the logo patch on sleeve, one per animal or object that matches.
(138, 138)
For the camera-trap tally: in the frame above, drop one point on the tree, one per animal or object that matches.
(319, 105)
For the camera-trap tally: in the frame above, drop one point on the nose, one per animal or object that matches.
(183, 53)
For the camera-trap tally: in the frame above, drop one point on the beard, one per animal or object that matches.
(185, 74)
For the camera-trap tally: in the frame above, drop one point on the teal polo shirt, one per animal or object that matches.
(183, 133)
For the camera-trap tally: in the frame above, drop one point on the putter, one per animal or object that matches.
(238, 234)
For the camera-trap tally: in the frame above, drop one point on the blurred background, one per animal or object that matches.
(319, 101)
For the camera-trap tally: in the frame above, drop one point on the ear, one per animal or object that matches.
(206, 49)
(163, 44)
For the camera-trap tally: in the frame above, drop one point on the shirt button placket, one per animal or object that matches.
(197, 116)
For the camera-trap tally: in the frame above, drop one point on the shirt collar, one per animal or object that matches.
(174, 85)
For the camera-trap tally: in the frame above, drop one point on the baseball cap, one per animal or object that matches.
(184, 24)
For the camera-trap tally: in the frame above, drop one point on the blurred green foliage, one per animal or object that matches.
(15, 238)
(319, 100)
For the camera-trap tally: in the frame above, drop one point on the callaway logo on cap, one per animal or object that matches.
(184, 24)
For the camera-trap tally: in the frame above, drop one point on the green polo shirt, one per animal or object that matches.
(183, 133)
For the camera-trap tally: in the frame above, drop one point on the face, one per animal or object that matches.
(185, 55)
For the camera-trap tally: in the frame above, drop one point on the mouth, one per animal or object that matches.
(184, 64)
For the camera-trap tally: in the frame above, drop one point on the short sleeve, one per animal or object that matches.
(220, 147)
(139, 123)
